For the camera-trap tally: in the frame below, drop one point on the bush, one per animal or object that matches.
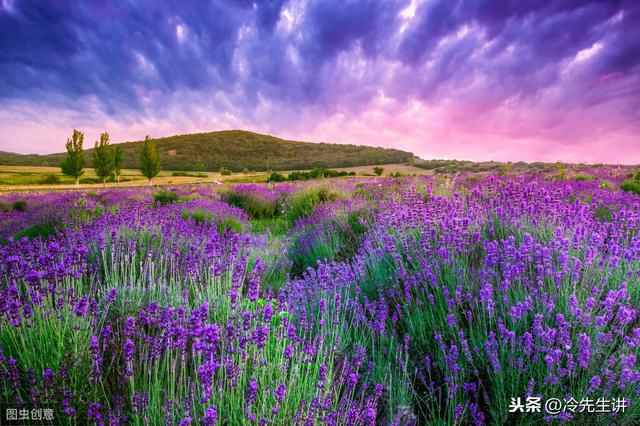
(165, 197)
(229, 223)
(631, 186)
(44, 229)
(50, 179)
(224, 172)
(276, 177)
(378, 170)
(90, 180)
(297, 176)
(189, 174)
(255, 206)
(19, 205)
(605, 184)
(302, 203)
(222, 224)
(581, 177)
(318, 172)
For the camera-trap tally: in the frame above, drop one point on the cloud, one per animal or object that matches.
(462, 75)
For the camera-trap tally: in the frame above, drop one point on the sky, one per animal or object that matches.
(506, 80)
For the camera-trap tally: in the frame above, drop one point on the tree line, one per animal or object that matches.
(108, 161)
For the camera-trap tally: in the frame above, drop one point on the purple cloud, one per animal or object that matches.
(560, 75)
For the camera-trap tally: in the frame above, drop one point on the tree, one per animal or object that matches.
(561, 170)
(73, 164)
(102, 158)
(149, 159)
(507, 167)
(118, 162)
(378, 170)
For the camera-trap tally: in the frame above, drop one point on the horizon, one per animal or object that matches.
(462, 80)
(90, 146)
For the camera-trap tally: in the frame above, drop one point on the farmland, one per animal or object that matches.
(430, 299)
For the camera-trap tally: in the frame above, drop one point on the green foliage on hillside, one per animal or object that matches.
(72, 163)
(103, 158)
(149, 159)
(235, 150)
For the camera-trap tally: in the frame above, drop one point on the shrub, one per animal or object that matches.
(302, 203)
(19, 205)
(378, 170)
(44, 229)
(631, 186)
(165, 197)
(90, 180)
(605, 184)
(297, 176)
(222, 224)
(276, 177)
(228, 223)
(189, 197)
(198, 216)
(189, 174)
(255, 206)
(224, 172)
(581, 177)
(319, 172)
(50, 179)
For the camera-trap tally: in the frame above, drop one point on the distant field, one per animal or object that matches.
(31, 177)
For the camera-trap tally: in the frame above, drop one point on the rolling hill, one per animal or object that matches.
(234, 150)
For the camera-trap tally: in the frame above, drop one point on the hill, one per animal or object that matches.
(234, 150)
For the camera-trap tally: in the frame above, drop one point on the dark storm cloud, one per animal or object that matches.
(116, 50)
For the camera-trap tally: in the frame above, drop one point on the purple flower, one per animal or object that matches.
(252, 392)
(584, 345)
(210, 416)
(280, 392)
(128, 350)
(81, 307)
(93, 411)
(288, 352)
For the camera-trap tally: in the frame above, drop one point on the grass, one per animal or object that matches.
(440, 314)
(275, 226)
(252, 203)
(302, 203)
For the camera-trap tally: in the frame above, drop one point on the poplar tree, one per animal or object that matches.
(102, 158)
(73, 164)
(118, 162)
(149, 159)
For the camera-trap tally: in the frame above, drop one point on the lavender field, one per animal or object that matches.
(376, 301)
